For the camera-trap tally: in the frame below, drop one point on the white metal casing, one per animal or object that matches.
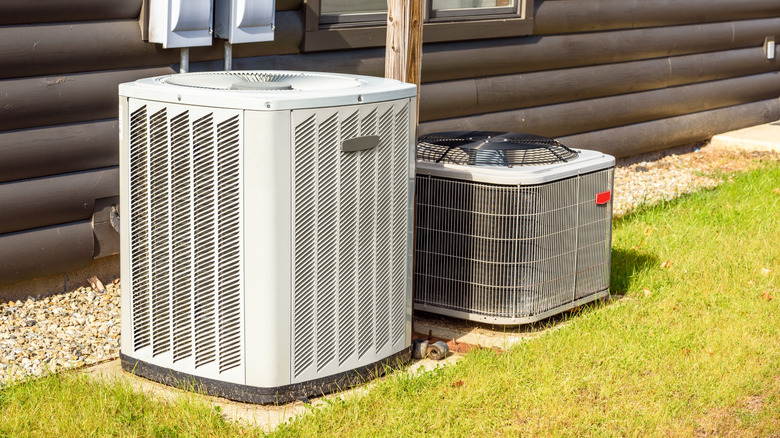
(180, 23)
(244, 21)
(317, 242)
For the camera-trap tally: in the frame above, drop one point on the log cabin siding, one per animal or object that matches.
(570, 16)
(58, 149)
(621, 76)
(46, 251)
(623, 109)
(49, 11)
(447, 99)
(681, 130)
(57, 199)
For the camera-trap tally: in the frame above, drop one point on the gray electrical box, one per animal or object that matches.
(180, 23)
(244, 21)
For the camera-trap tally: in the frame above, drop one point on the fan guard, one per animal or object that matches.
(484, 148)
(258, 81)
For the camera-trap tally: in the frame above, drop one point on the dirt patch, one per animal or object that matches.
(718, 422)
(724, 422)
(753, 404)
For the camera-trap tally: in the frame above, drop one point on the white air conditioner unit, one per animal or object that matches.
(266, 230)
(510, 228)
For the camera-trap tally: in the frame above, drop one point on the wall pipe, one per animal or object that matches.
(228, 56)
(184, 64)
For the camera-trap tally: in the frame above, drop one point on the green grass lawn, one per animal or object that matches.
(75, 405)
(689, 346)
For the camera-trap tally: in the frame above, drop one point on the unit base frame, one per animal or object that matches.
(511, 321)
(261, 395)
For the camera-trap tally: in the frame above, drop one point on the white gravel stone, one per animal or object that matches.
(665, 175)
(59, 332)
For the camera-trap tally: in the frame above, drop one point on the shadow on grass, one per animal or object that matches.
(626, 264)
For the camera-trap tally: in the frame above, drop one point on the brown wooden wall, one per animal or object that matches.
(621, 76)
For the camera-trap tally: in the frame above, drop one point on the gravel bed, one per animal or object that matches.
(81, 328)
(59, 332)
(667, 174)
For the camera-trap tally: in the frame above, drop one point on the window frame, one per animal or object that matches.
(354, 32)
(472, 13)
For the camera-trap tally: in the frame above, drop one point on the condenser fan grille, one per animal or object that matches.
(492, 149)
(259, 81)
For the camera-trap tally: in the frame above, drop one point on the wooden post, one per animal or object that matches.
(403, 56)
(403, 53)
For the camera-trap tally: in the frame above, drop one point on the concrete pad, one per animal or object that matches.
(468, 332)
(265, 417)
(463, 336)
(755, 138)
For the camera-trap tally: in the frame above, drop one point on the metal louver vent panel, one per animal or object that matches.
(181, 267)
(384, 235)
(366, 239)
(160, 233)
(511, 252)
(327, 227)
(204, 241)
(139, 226)
(348, 275)
(186, 238)
(229, 236)
(304, 299)
(350, 236)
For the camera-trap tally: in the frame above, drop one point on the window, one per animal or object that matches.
(343, 24)
(346, 11)
(470, 8)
